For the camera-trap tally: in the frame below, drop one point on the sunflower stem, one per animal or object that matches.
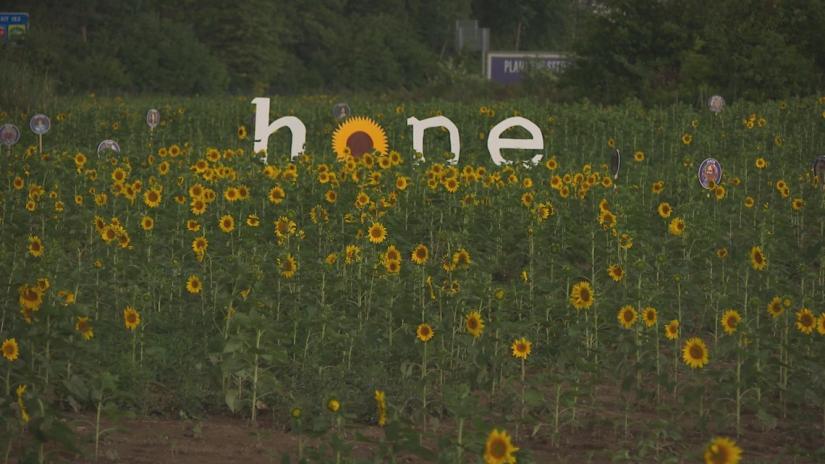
(255, 374)
(460, 446)
(424, 386)
(739, 391)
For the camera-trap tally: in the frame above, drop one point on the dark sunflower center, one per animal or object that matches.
(359, 143)
(425, 331)
(757, 257)
(807, 320)
(696, 352)
(584, 294)
(131, 318)
(472, 323)
(628, 316)
(721, 455)
(498, 449)
(731, 322)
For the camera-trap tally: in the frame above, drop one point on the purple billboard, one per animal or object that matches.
(510, 67)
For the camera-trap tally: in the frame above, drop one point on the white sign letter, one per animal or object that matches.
(263, 129)
(438, 121)
(495, 144)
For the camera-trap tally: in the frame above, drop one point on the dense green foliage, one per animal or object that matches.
(258, 337)
(657, 51)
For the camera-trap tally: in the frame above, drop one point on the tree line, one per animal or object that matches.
(653, 50)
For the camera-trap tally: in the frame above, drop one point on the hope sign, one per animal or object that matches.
(495, 143)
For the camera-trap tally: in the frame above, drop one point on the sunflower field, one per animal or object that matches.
(429, 311)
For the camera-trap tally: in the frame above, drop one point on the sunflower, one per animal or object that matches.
(147, 223)
(194, 284)
(820, 324)
(231, 194)
(352, 254)
(10, 349)
(775, 308)
(227, 223)
(722, 451)
(749, 202)
(719, 192)
(676, 226)
(627, 316)
(606, 218)
(131, 318)
(420, 254)
(695, 353)
(392, 254)
(287, 266)
(581, 295)
(252, 220)
(242, 133)
(521, 348)
(333, 405)
(761, 163)
(119, 175)
(284, 227)
(499, 449)
(198, 207)
(649, 316)
(152, 198)
(362, 200)
(730, 320)
(797, 204)
(672, 330)
(193, 225)
(626, 241)
(392, 267)
(639, 156)
(330, 196)
(377, 233)
(527, 199)
(277, 195)
(381, 405)
(424, 332)
(36, 247)
(451, 184)
(331, 259)
(357, 136)
(722, 253)
(199, 245)
(805, 321)
(664, 210)
(687, 138)
(615, 272)
(474, 323)
(84, 326)
(461, 258)
(31, 297)
(758, 260)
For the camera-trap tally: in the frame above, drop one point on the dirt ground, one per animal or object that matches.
(221, 439)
